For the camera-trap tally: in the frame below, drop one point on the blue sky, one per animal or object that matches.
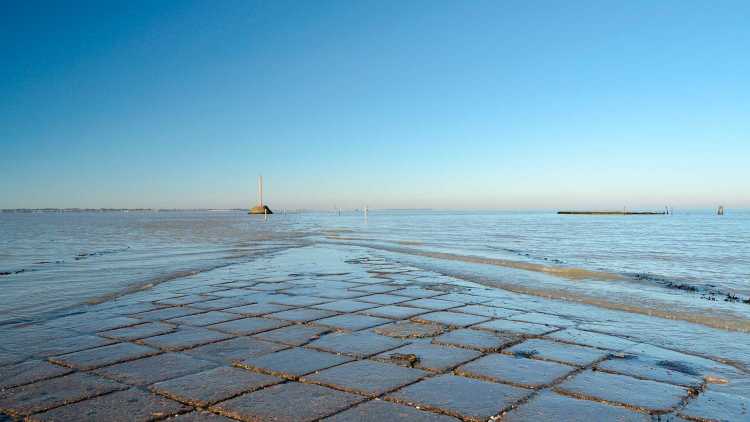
(496, 104)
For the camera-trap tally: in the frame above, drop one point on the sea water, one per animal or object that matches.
(692, 265)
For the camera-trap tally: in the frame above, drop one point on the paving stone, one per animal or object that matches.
(240, 284)
(516, 327)
(433, 304)
(688, 363)
(298, 300)
(246, 295)
(185, 338)
(395, 311)
(303, 315)
(223, 303)
(139, 331)
(295, 335)
(233, 350)
(453, 319)
(136, 308)
(310, 402)
(488, 311)
(167, 313)
(718, 406)
(207, 318)
(475, 339)
(258, 309)
(546, 319)
(383, 299)
(155, 368)
(418, 292)
(102, 356)
(467, 398)
(28, 372)
(92, 324)
(293, 362)
(410, 329)
(559, 352)
(652, 368)
(337, 284)
(270, 287)
(129, 405)
(367, 377)
(352, 322)
(465, 299)
(428, 356)
(248, 326)
(185, 300)
(212, 386)
(621, 389)
(739, 387)
(516, 370)
(43, 395)
(360, 344)
(551, 407)
(376, 288)
(200, 416)
(60, 346)
(379, 410)
(345, 305)
(340, 294)
(588, 338)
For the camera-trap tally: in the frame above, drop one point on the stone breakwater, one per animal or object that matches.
(326, 333)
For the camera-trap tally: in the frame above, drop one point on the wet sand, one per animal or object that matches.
(341, 333)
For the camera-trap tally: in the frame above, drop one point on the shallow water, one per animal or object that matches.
(57, 260)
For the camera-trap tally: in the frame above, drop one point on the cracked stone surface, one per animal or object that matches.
(349, 336)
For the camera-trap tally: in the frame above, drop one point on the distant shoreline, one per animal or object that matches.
(53, 210)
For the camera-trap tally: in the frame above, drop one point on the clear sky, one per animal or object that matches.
(443, 104)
